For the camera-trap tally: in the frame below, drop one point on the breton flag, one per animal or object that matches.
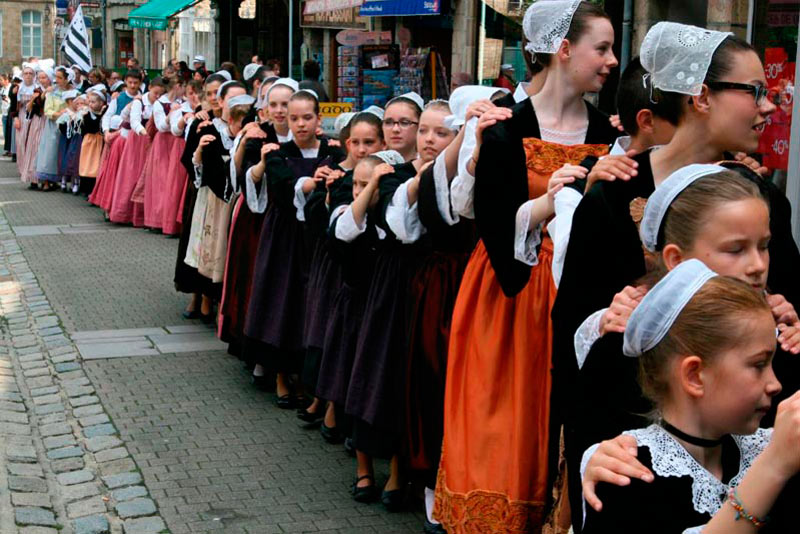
(76, 43)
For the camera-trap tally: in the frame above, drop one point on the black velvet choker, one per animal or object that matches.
(700, 442)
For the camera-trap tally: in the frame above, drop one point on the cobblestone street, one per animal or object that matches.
(119, 416)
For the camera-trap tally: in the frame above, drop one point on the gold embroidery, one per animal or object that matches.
(484, 512)
(544, 158)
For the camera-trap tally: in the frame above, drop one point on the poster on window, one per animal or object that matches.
(774, 144)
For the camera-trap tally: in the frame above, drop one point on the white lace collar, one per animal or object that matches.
(224, 133)
(670, 459)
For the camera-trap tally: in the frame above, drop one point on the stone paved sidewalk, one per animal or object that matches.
(63, 463)
(177, 436)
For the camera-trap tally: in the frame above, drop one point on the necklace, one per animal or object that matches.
(700, 442)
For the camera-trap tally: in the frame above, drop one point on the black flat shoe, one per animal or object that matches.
(365, 494)
(310, 417)
(194, 314)
(349, 448)
(301, 402)
(393, 500)
(208, 319)
(330, 434)
(433, 528)
(285, 402)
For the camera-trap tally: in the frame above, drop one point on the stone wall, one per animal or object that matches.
(12, 29)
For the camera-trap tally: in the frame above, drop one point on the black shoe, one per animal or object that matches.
(365, 494)
(301, 402)
(349, 448)
(208, 319)
(194, 314)
(433, 528)
(33, 186)
(311, 417)
(330, 434)
(393, 500)
(285, 402)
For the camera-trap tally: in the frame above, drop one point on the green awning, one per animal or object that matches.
(154, 14)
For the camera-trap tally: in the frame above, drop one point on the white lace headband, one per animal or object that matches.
(658, 310)
(546, 24)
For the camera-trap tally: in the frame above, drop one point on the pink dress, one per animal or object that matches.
(157, 167)
(131, 164)
(175, 184)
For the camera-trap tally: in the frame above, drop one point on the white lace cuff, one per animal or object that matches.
(461, 190)
(300, 197)
(347, 229)
(256, 200)
(198, 175)
(234, 183)
(443, 190)
(586, 335)
(403, 219)
(527, 241)
(566, 202)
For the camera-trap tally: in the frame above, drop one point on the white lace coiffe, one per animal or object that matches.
(670, 459)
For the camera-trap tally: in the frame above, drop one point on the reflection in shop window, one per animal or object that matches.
(775, 39)
(247, 9)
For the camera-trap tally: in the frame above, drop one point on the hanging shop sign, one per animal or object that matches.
(338, 18)
(358, 38)
(399, 8)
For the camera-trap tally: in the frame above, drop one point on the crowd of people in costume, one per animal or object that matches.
(546, 318)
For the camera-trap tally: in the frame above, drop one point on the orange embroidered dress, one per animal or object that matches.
(493, 476)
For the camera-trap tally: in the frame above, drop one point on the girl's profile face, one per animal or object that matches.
(232, 92)
(303, 120)
(43, 80)
(739, 384)
(211, 95)
(96, 102)
(61, 79)
(735, 121)
(592, 57)
(432, 136)
(400, 123)
(364, 140)
(735, 241)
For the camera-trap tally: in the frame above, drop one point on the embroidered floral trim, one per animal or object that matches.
(670, 459)
(484, 512)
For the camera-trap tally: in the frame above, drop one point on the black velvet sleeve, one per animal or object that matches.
(428, 206)
(191, 145)
(501, 187)
(386, 189)
(216, 167)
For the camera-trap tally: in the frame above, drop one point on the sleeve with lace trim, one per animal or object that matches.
(586, 335)
(402, 219)
(566, 201)
(160, 118)
(174, 120)
(463, 185)
(300, 198)
(346, 229)
(256, 193)
(442, 187)
(527, 241)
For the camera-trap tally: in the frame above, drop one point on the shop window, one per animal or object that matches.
(202, 36)
(775, 39)
(247, 9)
(31, 34)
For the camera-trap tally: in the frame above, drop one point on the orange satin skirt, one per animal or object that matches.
(91, 155)
(493, 472)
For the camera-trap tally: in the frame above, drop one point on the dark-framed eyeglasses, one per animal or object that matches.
(404, 124)
(759, 92)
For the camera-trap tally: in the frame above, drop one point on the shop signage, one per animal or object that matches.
(344, 18)
(774, 142)
(358, 38)
(321, 6)
(329, 111)
(399, 8)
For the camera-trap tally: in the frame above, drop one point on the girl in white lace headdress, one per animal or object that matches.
(705, 344)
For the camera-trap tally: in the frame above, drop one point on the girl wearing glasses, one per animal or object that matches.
(400, 123)
(689, 72)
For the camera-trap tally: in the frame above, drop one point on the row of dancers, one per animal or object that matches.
(542, 322)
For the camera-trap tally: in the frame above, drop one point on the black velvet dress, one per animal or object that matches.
(605, 237)
(274, 325)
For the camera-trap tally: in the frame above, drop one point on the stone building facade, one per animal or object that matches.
(26, 29)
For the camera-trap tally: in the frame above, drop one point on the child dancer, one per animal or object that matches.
(36, 124)
(47, 154)
(119, 107)
(91, 133)
(282, 261)
(70, 141)
(25, 94)
(704, 344)
(155, 172)
(133, 156)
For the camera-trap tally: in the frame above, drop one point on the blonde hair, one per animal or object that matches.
(708, 325)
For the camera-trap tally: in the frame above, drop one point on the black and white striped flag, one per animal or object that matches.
(76, 43)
